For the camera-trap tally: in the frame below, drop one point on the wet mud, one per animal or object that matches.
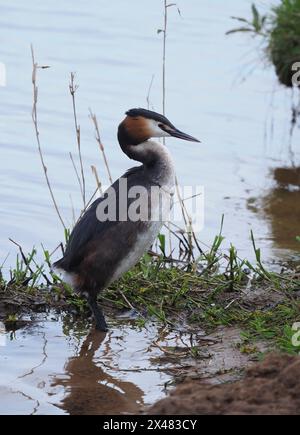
(269, 388)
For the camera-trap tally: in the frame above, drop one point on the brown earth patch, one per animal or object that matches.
(269, 388)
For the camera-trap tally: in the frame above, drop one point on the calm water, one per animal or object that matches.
(114, 48)
(54, 366)
(47, 367)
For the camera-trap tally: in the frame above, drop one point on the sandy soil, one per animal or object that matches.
(269, 388)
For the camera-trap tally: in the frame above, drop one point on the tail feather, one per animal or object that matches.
(59, 268)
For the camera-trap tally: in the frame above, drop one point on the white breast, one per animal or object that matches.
(143, 243)
(165, 178)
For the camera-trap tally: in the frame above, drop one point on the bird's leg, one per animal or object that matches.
(101, 324)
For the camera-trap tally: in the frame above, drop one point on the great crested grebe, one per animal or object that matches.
(103, 245)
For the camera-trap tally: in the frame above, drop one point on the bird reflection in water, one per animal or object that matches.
(89, 389)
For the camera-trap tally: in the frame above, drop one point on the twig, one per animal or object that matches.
(164, 89)
(37, 134)
(164, 54)
(27, 264)
(187, 219)
(101, 146)
(89, 201)
(60, 246)
(95, 172)
(73, 88)
(149, 91)
(73, 210)
(76, 172)
(229, 305)
(3, 262)
(130, 304)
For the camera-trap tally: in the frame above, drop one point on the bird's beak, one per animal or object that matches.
(177, 133)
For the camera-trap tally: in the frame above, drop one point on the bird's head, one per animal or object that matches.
(141, 125)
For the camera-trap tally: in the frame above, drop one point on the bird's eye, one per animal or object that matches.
(162, 126)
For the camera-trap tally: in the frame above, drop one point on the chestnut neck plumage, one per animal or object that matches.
(154, 156)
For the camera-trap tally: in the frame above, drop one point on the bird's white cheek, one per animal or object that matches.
(156, 131)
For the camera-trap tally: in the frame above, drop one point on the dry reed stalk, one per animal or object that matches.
(73, 88)
(27, 263)
(164, 54)
(73, 210)
(186, 217)
(35, 67)
(76, 171)
(164, 91)
(149, 91)
(99, 185)
(89, 202)
(100, 143)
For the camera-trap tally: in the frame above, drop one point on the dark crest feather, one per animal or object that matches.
(149, 114)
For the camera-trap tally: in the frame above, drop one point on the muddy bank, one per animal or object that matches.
(17, 303)
(271, 387)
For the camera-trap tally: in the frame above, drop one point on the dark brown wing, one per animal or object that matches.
(89, 228)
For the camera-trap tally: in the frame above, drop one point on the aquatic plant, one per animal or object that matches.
(284, 40)
(280, 32)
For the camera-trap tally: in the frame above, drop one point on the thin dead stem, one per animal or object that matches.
(73, 88)
(164, 90)
(90, 201)
(100, 143)
(27, 263)
(73, 210)
(186, 217)
(164, 53)
(98, 182)
(76, 171)
(35, 67)
(149, 92)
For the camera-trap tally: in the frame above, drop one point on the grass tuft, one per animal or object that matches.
(280, 31)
